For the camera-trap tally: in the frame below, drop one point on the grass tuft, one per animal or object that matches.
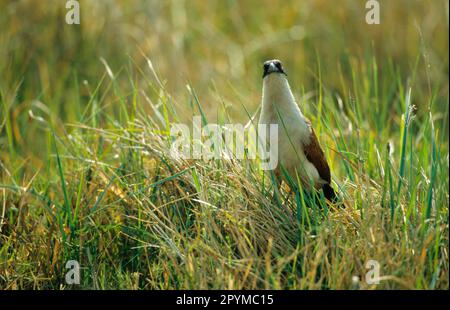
(85, 166)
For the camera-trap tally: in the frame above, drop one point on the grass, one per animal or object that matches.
(85, 166)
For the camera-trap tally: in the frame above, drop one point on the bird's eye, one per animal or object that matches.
(266, 67)
(278, 64)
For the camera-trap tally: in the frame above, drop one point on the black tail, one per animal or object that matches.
(329, 193)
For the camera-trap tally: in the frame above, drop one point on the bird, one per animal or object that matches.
(299, 151)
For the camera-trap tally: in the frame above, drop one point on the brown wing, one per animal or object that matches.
(316, 156)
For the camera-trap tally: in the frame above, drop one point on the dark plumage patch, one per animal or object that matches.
(315, 155)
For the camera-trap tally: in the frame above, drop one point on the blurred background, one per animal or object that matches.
(84, 163)
(217, 47)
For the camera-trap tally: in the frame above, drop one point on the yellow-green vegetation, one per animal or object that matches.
(85, 170)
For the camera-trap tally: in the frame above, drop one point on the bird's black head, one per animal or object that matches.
(273, 66)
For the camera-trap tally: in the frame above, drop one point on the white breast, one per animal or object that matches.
(279, 107)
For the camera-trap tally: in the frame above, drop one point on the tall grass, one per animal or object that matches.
(85, 165)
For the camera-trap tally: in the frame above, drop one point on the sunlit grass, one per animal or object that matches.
(85, 166)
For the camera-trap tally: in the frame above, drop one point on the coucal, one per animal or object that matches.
(299, 151)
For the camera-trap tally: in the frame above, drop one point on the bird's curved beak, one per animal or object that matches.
(272, 68)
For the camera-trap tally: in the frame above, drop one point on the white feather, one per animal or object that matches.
(279, 107)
